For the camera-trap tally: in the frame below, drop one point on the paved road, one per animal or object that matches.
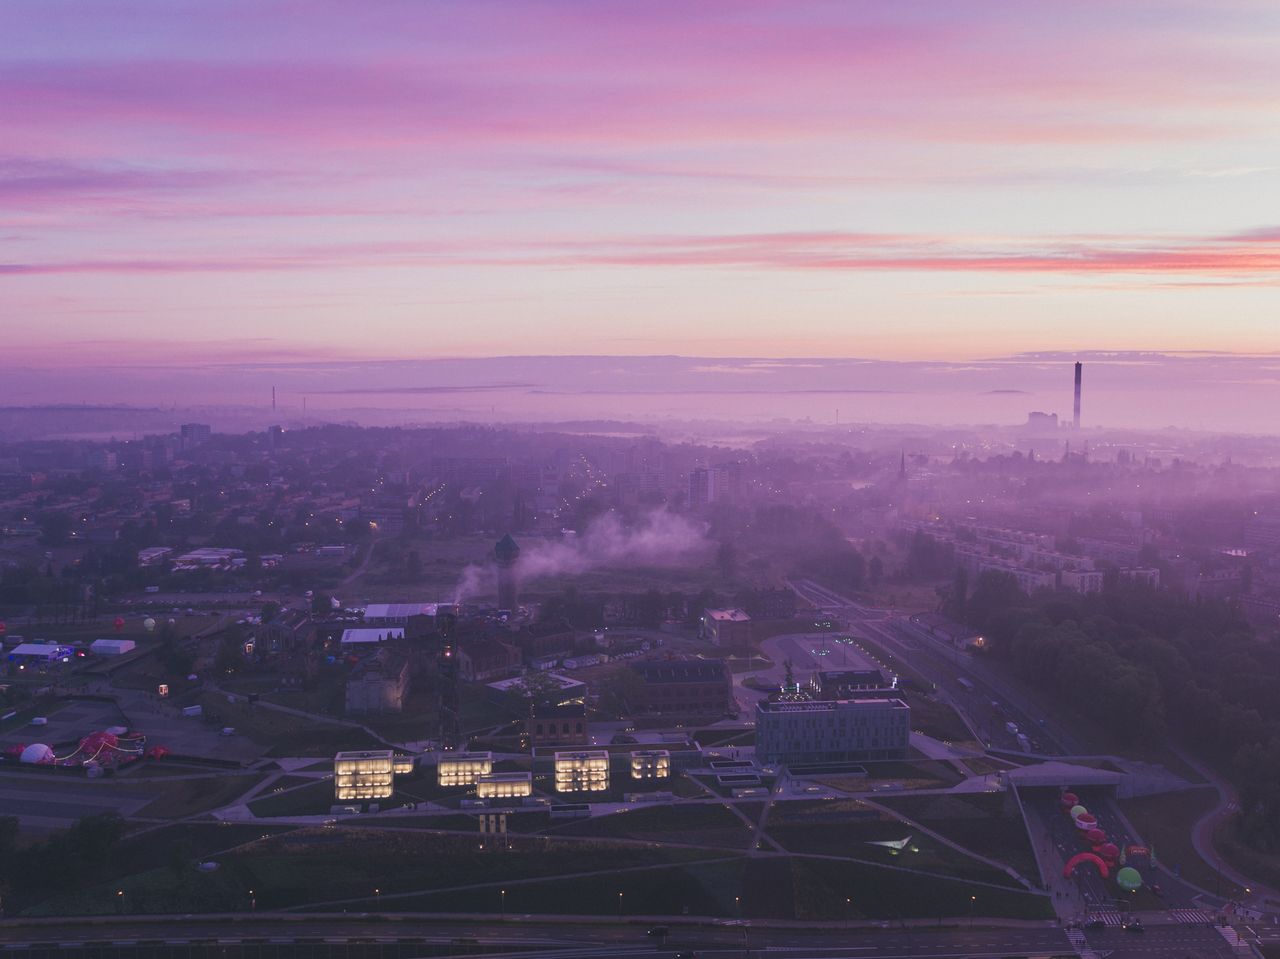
(255, 935)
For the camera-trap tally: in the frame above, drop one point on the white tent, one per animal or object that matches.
(36, 753)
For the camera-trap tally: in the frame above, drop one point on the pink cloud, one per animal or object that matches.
(825, 251)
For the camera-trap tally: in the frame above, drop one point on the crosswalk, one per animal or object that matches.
(1109, 916)
(1076, 938)
(1191, 917)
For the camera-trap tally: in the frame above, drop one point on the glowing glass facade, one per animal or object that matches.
(505, 786)
(650, 764)
(582, 771)
(463, 769)
(364, 775)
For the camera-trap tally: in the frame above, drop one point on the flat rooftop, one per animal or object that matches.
(826, 705)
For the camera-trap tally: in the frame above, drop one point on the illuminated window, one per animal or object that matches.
(364, 775)
(650, 764)
(463, 769)
(582, 771)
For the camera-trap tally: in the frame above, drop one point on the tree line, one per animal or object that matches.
(1147, 664)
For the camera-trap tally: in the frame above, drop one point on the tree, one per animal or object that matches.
(875, 570)
(55, 527)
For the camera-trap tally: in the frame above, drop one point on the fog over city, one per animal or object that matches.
(554, 479)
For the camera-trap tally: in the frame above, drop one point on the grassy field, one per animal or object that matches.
(923, 774)
(187, 797)
(286, 734)
(983, 823)
(1248, 860)
(1165, 822)
(702, 824)
(313, 799)
(936, 719)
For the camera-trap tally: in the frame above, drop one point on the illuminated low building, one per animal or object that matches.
(582, 771)
(504, 785)
(650, 764)
(463, 769)
(364, 775)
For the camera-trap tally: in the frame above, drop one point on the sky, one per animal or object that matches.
(247, 181)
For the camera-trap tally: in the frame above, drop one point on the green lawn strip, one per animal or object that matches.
(313, 799)
(325, 865)
(984, 823)
(936, 719)
(186, 797)
(821, 887)
(1265, 867)
(698, 889)
(702, 824)
(285, 733)
(849, 828)
(855, 841)
(321, 865)
(1165, 822)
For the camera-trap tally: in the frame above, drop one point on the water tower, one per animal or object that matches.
(507, 553)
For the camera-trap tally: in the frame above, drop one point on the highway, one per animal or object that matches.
(405, 937)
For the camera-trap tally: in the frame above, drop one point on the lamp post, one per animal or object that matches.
(253, 902)
(377, 896)
(120, 900)
(619, 905)
(973, 900)
(848, 911)
(503, 893)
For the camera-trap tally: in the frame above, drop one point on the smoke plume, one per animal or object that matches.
(658, 539)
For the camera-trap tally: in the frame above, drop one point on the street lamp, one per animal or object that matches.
(253, 902)
(619, 905)
(972, 902)
(377, 895)
(503, 893)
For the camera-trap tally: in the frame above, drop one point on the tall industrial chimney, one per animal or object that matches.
(506, 553)
(1075, 420)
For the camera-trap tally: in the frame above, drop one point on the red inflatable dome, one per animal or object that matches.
(1069, 800)
(1086, 821)
(1109, 851)
(119, 623)
(157, 752)
(1096, 836)
(95, 743)
(1076, 860)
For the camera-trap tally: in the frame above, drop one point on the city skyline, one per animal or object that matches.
(763, 180)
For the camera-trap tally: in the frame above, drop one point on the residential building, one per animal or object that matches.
(730, 628)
